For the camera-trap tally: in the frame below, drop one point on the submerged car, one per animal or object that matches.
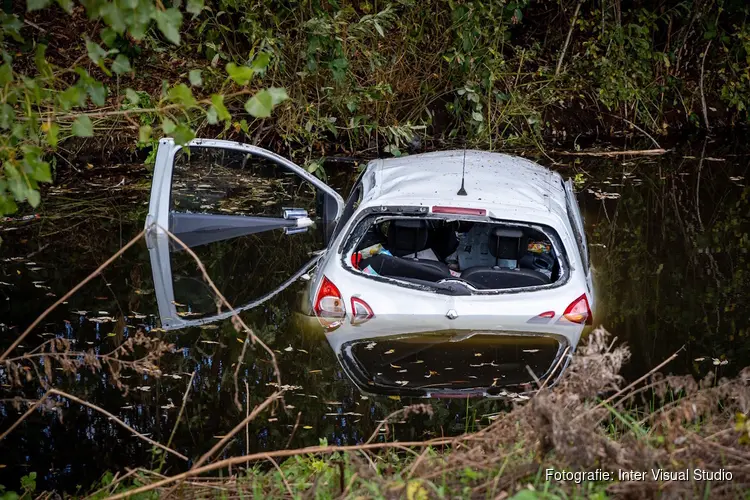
(467, 255)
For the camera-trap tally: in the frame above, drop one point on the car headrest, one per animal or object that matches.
(505, 243)
(407, 236)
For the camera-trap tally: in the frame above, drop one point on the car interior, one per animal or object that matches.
(487, 256)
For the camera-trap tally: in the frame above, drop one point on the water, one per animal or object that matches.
(668, 236)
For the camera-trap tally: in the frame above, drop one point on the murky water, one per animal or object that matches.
(669, 241)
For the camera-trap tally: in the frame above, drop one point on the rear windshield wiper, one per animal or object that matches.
(453, 287)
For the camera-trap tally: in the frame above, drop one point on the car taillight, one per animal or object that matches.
(459, 211)
(578, 311)
(544, 317)
(329, 302)
(361, 311)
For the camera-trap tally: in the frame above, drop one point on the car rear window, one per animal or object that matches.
(448, 253)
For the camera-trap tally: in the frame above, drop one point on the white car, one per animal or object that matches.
(465, 258)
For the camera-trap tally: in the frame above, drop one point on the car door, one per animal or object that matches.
(255, 220)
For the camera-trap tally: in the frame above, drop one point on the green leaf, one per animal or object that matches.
(169, 22)
(260, 63)
(32, 195)
(144, 133)
(71, 97)
(96, 52)
(121, 64)
(240, 74)
(182, 94)
(82, 127)
(36, 4)
(28, 482)
(212, 115)
(53, 134)
(67, 5)
(278, 95)
(6, 74)
(183, 134)
(41, 63)
(218, 102)
(108, 36)
(42, 172)
(113, 16)
(7, 116)
(97, 91)
(168, 126)
(194, 6)
(261, 104)
(195, 78)
(132, 96)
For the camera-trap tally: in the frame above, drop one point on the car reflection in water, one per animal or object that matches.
(390, 356)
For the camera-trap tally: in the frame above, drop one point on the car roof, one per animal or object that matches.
(491, 180)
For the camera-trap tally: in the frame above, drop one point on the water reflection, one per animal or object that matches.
(669, 240)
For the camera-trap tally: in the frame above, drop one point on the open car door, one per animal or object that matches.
(255, 220)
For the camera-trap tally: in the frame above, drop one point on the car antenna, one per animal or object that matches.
(462, 191)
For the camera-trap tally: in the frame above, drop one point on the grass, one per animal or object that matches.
(569, 428)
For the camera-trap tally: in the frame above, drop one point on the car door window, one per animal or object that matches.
(355, 198)
(576, 222)
(245, 212)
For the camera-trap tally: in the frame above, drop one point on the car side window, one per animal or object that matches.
(355, 198)
(576, 233)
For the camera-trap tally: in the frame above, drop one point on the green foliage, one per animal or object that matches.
(28, 483)
(42, 104)
(364, 76)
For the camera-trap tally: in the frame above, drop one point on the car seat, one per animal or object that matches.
(397, 267)
(406, 237)
(443, 240)
(505, 245)
(498, 278)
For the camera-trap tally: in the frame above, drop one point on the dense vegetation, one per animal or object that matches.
(383, 77)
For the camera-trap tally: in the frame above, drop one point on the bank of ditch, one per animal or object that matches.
(590, 436)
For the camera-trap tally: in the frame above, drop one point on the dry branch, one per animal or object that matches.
(630, 152)
(70, 293)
